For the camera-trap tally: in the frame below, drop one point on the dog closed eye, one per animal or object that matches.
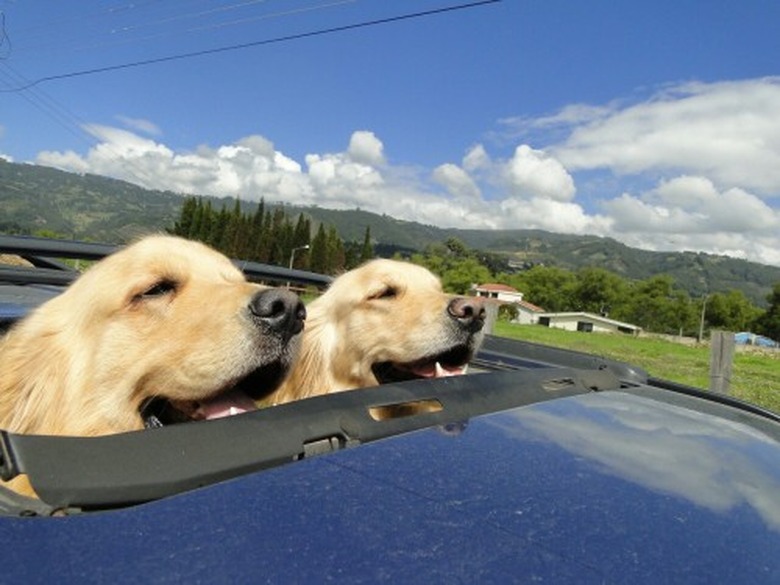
(158, 289)
(385, 293)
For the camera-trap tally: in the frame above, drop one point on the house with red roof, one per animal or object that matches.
(504, 294)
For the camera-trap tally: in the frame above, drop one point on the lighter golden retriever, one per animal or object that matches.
(165, 321)
(384, 321)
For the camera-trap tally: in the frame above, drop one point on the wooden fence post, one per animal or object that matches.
(491, 314)
(721, 360)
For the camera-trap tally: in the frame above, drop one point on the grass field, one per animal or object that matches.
(755, 376)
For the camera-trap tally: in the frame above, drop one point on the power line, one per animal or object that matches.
(5, 40)
(119, 29)
(66, 119)
(259, 43)
(205, 27)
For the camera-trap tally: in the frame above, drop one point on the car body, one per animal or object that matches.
(543, 465)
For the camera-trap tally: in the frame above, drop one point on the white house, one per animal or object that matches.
(500, 292)
(587, 322)
(528, 313)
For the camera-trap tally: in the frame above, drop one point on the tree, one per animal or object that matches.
(462, 273)
(652, 304)
(685, 314)
(768, 324)
(300, 239)
(367, 252)
(597, 290)
(217, 229)
(257, 246)
(547, 286)
(280, 238)
(731, 311)
(318, 258)
(456, 247)
(201, 222)
(184, 226)
(264, 236)
(235, 234)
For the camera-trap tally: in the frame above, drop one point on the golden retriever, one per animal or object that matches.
(384, 321)
(163, 321)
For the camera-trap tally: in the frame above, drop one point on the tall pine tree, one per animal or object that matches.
(367, 252)
(318, 258)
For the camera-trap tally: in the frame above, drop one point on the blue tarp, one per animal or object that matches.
(747, 338)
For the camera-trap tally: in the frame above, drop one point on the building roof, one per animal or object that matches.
(496, 287)
(530, 307)
(592, 317)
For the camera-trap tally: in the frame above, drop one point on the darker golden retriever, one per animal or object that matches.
(164, 321)
(384, 321)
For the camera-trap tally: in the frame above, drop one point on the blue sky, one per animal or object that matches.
(656, 123)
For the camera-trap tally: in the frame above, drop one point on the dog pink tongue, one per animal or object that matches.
(226, 404)
(436, 370)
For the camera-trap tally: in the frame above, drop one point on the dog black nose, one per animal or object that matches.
(469, 312)
(279, 309)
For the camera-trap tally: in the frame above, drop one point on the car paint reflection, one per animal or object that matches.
(712, 462)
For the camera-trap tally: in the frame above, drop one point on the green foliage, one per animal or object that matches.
(319, 251)
(268, 237)
(655, 304)
(547, 286)
(462, 274)
(731, 311)
(769, 323)
(367, 251)
(597, 290)
(457, 267)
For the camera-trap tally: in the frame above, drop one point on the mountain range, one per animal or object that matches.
(89, 207)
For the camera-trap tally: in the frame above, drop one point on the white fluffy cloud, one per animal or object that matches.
(552, 215)
(729, 132)
(366, 148)
(532, 173)
(140, 125)
(706, 157)
(456, 180)
(476, 159)
(689, 212)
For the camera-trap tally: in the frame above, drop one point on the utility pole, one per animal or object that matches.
(701, 321)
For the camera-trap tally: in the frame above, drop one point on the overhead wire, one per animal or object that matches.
(251, 44)
(66, 119)
(5, 40)
(118, 29)
(58, 112)
(57, 23)
(219, 25)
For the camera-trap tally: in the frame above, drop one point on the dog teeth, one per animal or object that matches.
(442, 372)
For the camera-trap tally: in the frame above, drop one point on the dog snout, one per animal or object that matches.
(468, 311)
(278, 309)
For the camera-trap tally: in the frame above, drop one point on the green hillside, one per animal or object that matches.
(89, 207)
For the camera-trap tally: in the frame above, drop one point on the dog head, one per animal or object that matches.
(163, 319)
(389, 320)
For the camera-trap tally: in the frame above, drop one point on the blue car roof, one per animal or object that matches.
(605, 487)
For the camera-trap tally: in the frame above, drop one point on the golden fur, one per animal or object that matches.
(384, 312)
(163, 317)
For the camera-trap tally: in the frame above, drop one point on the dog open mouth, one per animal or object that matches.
(236, 399)
(452, 362)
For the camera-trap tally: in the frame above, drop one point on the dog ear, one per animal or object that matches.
(32, 378)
